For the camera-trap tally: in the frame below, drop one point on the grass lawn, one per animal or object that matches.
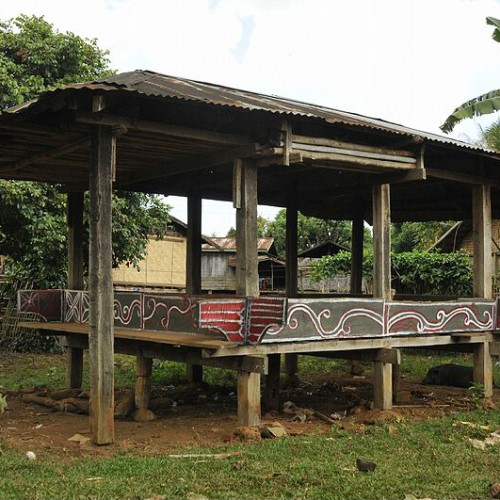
(430, 458)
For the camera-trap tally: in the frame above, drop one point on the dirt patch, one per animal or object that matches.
(203, 416)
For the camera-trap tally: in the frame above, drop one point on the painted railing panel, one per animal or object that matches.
(268, 320)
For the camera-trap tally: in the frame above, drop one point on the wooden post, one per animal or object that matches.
(271, 397)
(193, 264)
(291, 360)
(248, 398)
(483, 368)
(101, 288)
(144, 368)
(247, 272)
(481, 224)
(382, 385)
(194, 373)
(381, 242)
(291, 249)
(358, 233)
(74, 355)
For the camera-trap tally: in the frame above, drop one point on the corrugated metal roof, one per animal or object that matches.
(152, 84)
(229, 244)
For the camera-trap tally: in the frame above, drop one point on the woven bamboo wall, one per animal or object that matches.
(164, 265)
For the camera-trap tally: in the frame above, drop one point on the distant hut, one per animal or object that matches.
(340, 284)
(163, 267)
(218, 265)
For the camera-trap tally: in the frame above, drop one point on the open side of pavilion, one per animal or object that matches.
(143, 131)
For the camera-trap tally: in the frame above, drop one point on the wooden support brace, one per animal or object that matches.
(381, 242)
(194, 373)
(249, 411)
(291, 369)
(483, 368)
(142, 394)
(74, 367)
(271, 397)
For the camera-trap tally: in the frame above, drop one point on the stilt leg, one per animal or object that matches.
(74, 367)
(382, 385)
(483, 368)
(271, 399)
(248, 398)
(143, 389)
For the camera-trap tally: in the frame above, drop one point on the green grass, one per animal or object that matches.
(425, 459)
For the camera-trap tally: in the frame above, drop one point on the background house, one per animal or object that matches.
(340, 284)
(163, 267)
(218, 265)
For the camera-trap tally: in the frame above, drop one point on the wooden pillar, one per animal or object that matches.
(381, 242)
(271, 397)
(358, 233)
(382, 385)
(194, 373)
(245, 202)
(144, 368)
(193, 264)
(101, 288)
(481, 224)
(483, 368)
(74, 355)
(248, 398)
(291, 360)
(291, 249)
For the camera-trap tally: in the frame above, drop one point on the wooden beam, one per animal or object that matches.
(286, 128)
(161, 128)
(481, 227)
(358, 234)
(248, 398)
(247, 273)
(192, 164)
(50, 154)
(74, 356)
(101, 288)
(447, 175)
(323, 141)
(392, 356)
(417, 174)
(381, 242)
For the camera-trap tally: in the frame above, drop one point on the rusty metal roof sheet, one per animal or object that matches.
(154, 84)
(229, 244)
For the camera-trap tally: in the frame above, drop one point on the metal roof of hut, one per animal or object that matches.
(326, 248)
(177, 137)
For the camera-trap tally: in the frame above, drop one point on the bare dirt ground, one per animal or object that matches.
(203, 416)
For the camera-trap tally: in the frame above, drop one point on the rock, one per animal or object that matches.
(449, 374)
(365, 466)
(274, 430)
(143, 415)
(78, 438)
(248, 433)
(495, 490)
(477, 444)
(357, 368)
(30, 455)
(125, 405)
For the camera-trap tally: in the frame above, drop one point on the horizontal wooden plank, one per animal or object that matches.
(186, 339)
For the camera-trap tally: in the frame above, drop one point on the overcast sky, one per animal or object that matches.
(407, 61)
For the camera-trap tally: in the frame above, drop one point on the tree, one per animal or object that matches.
(420, 236)
(481, 105)
(34, 58)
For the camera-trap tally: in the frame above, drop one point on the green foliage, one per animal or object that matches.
(311, 231)
(481, 105)
(34, 57)
(409, 236)
(417, 273)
